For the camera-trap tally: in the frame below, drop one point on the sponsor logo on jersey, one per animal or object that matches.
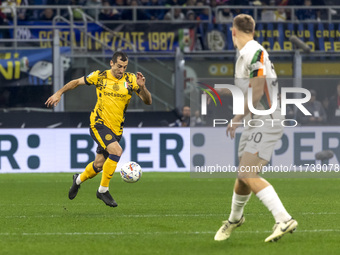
(112, 94)
(108, 137)
(115, 87)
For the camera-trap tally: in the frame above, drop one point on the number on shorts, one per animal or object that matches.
(257, 137)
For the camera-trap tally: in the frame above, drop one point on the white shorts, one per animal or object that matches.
(260, 141)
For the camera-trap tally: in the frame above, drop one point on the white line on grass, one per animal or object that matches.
(154, 233)
(160, 215)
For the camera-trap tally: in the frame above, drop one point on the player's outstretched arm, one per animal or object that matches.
(144, 94)
(55, 98)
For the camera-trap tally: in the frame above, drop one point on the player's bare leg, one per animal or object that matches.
(246, 183)
(109, 167)
(91, 170)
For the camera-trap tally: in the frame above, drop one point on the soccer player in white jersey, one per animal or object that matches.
(254, 69)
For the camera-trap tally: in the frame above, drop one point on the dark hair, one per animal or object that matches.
(244, 23)
(119, 54)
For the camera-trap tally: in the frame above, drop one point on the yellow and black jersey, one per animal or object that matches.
(113, 98)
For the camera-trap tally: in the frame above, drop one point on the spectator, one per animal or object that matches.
(155, 14)
(287, 13)
(77, 15)
(47, 14)
(243, 3)
(35, 14)
(319, 115)
(190, 3)
(127, 14)
(93, 12)
(204, 12)
(21, 13)
(190, 15)
(334, 107)
(4, 33)
(63, 12)
(213, 5)
(272, 14)
(108, 13)
(196, 120)
(280, 15)
(306, 14)
(178, 15)
(318, 11)
(184, 119)
(224, 16)
(119, 3)
(6, 10)
(267, 14)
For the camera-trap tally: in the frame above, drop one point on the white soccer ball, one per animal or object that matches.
(131, 172)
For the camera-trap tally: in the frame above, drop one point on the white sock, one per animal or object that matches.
(237, 205)
(78, 181)
(103, 189)
(271, 200)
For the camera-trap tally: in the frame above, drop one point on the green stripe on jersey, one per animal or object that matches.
(257, 57)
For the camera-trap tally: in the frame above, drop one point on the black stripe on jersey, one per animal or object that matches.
(254, 73)
(127, 77)
(103, 74)
(86, 82)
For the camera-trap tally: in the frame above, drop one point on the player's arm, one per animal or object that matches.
(223, 92)
(144, 94)
(257, 84)
(55, 98)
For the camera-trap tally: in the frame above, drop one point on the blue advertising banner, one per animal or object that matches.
(29, 67)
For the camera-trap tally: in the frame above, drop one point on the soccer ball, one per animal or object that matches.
(131, 172)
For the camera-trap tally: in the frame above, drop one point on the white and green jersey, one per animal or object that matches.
(253, 61)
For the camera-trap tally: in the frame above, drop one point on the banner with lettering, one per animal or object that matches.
(144, 37)
(29, 67)
(275, 36)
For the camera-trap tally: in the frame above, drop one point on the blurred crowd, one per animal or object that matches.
(268, 12)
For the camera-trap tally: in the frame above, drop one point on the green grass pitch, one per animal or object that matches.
(163, 213)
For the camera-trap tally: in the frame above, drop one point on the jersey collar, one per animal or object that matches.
(246, 46)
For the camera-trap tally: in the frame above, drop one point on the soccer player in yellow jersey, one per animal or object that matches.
(114, 90)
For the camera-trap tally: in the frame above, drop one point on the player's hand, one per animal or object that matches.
(231, 129)
(53, 100)
(140, 80)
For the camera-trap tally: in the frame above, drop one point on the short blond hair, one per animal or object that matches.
(244, 23)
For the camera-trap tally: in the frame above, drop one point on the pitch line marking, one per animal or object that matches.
(155, 233)
(161, 215)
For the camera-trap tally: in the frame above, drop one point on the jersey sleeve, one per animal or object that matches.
(257, 66)
(92, 78)
(135, 86)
